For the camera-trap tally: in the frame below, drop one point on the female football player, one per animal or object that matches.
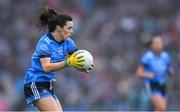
(154, 69)
(48, 57)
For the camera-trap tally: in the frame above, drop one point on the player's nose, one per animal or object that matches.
(71, 31)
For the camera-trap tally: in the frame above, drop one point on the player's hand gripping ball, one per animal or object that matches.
(81, 60)
(88, 63)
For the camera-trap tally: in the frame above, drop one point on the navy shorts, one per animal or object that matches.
(154, 88)
(38, 90)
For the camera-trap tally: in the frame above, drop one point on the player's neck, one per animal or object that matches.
(158, 53)
(57, 37)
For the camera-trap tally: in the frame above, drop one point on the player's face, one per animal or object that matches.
(157, 44)
(67, 30)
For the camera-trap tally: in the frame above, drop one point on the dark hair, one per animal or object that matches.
(51, 18)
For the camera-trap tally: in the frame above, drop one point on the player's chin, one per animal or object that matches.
(66, 37)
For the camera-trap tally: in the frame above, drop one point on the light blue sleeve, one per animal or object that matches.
(145, 59)
(71, 46)
(42, 49)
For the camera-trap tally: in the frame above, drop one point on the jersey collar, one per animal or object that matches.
(51, 37)
(156, 54)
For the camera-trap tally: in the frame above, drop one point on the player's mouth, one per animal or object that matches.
(70, 34)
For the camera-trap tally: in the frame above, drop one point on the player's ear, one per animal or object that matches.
(58, 27)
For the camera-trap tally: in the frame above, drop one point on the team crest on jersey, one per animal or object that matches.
(60, 50)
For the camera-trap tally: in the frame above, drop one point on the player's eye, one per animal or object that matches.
(69, 28)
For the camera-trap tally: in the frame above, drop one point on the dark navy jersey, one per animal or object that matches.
(156, 64)
(48, 47)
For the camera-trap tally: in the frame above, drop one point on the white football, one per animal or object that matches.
(89, 63)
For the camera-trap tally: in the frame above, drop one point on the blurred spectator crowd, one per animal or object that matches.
(114, 31)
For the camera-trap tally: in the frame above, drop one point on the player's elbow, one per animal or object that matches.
(139, 73)
(46, 69)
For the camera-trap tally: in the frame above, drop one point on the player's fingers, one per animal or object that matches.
(79, 67)
(82, 60)
(80, 57)
(80, 64)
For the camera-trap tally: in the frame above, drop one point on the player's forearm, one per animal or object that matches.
(54, 66)
(142, 74)
(145, 75)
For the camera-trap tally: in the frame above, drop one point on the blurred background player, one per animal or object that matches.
(49, 56)
(154, 70)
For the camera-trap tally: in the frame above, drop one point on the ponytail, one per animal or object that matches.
(46, 14)
(50, 18)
